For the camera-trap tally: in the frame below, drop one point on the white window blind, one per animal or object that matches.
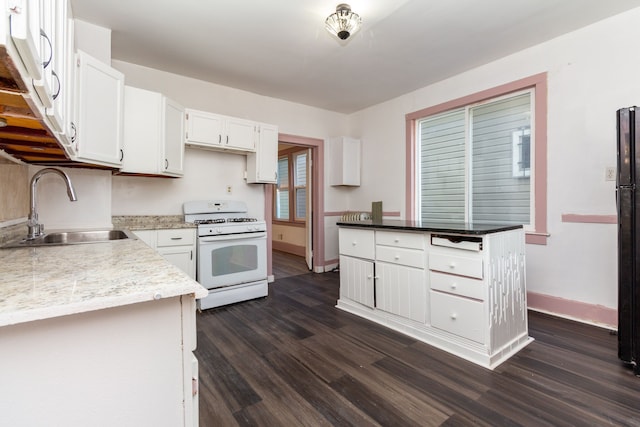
(300, 184)
(474, 163)
(282, 190)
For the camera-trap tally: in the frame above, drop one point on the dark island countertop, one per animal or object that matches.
(432, 227)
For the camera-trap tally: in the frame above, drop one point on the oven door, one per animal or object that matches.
(231, 259)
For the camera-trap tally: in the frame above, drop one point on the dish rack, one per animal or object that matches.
(355, 216)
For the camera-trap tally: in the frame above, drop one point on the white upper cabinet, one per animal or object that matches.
(98, 112)
(217, 132)
(153, 134)
(24, 27)
(344, 164)
(262, 165)
(173, 137)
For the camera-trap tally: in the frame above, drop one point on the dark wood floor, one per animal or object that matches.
(287, 265)
(293, 359)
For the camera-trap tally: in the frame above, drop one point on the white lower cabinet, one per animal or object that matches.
(356, 280)
(178, 246)
(130, 365)
(465, 294)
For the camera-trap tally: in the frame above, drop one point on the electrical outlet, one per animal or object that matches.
(610, 173)
(229, 189)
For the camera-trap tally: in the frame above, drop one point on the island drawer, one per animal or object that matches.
(467, 243)
(357, 242)
(457, 315)
(458, 285)
(455, 263)
(176, 237)
(400, 239)
(402, 256)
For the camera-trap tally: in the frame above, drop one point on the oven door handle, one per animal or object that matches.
(226, 237)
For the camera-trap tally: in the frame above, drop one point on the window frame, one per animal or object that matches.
(538, 234)
(290, 155)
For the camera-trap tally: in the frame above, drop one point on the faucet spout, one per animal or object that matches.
(35, 229)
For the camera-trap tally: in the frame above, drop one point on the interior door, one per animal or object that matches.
(308, 241)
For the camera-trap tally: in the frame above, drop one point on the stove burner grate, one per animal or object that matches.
(209, 221)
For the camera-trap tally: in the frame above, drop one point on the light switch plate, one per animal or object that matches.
(610, 173)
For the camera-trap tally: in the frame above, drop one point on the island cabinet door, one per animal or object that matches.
(401, 290)
(356, 280)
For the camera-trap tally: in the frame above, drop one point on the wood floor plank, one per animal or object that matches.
(293, 358)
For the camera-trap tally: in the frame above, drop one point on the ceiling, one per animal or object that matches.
(279, 48)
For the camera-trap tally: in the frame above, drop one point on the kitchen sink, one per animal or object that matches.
(72, 238)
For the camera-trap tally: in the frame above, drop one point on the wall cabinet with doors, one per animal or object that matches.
(98, 112)
(214, 131)
(153, 134)
(39, 31)
(462, 292)
(178, 246)
(262, 165)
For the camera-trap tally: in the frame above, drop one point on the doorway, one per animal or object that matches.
(313, 228)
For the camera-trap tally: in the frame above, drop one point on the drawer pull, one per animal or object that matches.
(452, 265)
(354, 243)
(397, 240)
(454, 285)
(454, 316)
(176, 238)
(397, 257)
(369, 277)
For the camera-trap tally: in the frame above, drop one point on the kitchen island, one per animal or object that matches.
(96, 334)
(457, 286)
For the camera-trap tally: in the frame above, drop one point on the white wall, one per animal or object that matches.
(591, 73)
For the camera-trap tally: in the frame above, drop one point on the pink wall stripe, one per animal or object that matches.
(590, 219)
(588, 313)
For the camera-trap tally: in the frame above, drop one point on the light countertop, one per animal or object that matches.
(45, 282)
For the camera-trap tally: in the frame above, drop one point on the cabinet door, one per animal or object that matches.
(172, 163)
(401, 290)
(99, 112)
(356, 280)
(147, 236)
(59, 64)
(240, 134)
(181, 257)
(24, 28)
(142, 131)
(204, 128)
(262, 166)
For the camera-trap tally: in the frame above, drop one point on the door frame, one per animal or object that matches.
(317, 187)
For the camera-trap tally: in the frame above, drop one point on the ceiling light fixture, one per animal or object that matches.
(343, 23)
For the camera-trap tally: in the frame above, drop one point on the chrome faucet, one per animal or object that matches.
(34, 229)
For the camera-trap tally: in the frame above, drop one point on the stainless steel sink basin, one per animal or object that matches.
(72, 238)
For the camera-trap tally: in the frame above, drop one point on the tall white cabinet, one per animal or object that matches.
(462, 292)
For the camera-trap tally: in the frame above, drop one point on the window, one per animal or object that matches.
(282, 190)
(292, 185)
(474, 162)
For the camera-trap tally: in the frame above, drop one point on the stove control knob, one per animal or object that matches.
(218, 230)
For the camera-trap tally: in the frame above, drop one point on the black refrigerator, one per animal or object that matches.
(628, 204)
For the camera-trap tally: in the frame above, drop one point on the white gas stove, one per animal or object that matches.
(232, 251)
